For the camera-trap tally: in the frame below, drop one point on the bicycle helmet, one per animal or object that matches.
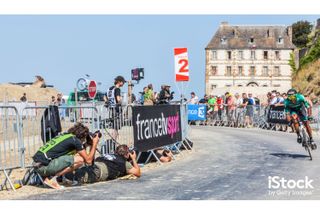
(292, 92)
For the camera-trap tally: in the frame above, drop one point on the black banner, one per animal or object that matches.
(277, 115)
(156, 126)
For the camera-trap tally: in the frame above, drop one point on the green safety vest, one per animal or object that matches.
(54, 142)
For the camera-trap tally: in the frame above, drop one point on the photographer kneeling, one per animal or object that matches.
(109, 167)
(64, 153)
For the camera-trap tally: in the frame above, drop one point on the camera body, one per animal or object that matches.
(131, 150)
(93, 135)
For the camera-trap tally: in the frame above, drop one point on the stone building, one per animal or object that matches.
(249, 56)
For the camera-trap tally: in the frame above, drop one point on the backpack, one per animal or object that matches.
(32, 178)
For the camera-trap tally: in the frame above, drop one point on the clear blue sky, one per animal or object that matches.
(64, 48)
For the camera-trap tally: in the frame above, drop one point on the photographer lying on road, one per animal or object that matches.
(164, 155)
(109, 167)
(64, 153)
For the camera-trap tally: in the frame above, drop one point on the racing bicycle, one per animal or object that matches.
(305, 137)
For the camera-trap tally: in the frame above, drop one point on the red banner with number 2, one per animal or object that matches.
(181, 64)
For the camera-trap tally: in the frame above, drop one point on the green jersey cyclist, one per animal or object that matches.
(297, 106)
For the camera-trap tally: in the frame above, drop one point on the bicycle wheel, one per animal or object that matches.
(306, 142)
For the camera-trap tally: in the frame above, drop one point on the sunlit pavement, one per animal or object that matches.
(227, 163)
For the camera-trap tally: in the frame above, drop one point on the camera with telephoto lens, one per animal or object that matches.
(132, 150)
(93, 135)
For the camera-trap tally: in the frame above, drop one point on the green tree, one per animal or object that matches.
(300, 32)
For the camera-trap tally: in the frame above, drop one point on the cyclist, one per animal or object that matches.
(297, 105)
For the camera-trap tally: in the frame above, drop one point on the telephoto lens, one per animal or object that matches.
(131, 150)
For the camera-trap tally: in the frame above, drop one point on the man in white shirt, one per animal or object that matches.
(238, 100)
(274, 99)
(194, 99)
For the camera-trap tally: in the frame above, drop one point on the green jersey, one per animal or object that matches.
(296, 104)
(211, 102)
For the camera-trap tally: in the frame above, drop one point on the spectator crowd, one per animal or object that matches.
(237, 109)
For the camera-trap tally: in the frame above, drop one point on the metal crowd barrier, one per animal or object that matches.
(249, 116)
(32, 128)
(116, 126)
(11, 146)
(240, 116)
(20, 131)
(236, 116)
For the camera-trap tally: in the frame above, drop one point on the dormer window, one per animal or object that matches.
(223, 40)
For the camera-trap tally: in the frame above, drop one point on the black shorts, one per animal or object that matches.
(302, 113)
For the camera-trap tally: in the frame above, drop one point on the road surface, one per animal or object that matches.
(227, 163)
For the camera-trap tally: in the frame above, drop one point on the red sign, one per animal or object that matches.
(92, 89)
(181, 63)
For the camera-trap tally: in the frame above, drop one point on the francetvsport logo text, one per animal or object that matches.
(276, 182)
(157, 127)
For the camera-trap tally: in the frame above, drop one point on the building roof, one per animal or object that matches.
(240, 37)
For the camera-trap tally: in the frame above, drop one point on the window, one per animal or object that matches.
(276, 85)
(228, 85)
(253, 54)
(252, 70)
(280, 40)
(265, 71)
(213, 70)
(223, 40)
(277, 54)
(276, 71)
(240, 54)
(214, 55)
(239, 85)
(229, 55)
(240, 71)
(265, 85)
(228, 73)
(251, 40)
(213, 86)
(265, 55)
(268, 33)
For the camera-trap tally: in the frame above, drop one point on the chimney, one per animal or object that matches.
(224, 24)
(289, 32)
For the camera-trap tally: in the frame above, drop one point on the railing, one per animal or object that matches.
(23, 131)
